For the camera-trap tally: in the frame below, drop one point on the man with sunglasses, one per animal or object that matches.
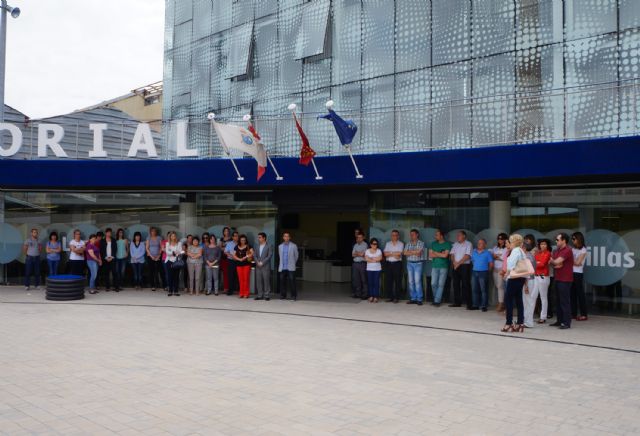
(562, 263)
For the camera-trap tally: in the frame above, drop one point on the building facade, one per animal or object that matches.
(483, 115)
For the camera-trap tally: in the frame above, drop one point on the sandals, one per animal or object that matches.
(507, 328)
(582, 318)
(519, 328)
(542, 321)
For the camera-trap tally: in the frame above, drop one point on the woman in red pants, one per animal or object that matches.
(224, 262)
(243, 256)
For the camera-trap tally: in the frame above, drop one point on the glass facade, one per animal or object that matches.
(607, 217)
(413, 74)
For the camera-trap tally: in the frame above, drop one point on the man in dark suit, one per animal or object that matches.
(108, 248)
(262, 256)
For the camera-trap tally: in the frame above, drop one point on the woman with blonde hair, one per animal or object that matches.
(518, 269)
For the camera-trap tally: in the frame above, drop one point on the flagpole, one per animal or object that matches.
(275, 170)
(235, 167)
(353, 161)
(278, 176)
(212, 117)
(292, 108)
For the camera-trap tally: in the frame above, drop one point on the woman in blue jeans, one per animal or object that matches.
(122, 253)
(373, 257)
(53, 253)
(93, 262)
(138, 250)
(515, 283)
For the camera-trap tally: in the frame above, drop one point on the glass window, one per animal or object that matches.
(312, 34)
(630, 87)
(592, 61)
(321, 134)
(202, 19)
(413, 34)
(378, 38)
(377, 122)
(242, 11)
(538, 22)
(493, 28)
(608, 219)
(589, 17)
(183, 11)
(451, 21)
(290, 69)
(451, 100)
(181, 70)
(240, 50)
(265, 59)
(539, 116)
(493, 109)
(347, 39)
(201, 75)
(413, 115)
(222, 13)
(629, 14)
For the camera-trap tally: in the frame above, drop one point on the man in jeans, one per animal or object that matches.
(461, 260)
(562, 263)
(439, 253)
(31, 249)
(359, 268)
(288, 254)
(414, 251)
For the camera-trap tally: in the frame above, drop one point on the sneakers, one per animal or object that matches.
(26, 288)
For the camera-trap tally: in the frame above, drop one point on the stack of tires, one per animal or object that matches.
(65, 288)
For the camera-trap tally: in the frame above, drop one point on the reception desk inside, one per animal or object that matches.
(325, 271)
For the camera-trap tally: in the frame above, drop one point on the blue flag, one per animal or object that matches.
(346, 130)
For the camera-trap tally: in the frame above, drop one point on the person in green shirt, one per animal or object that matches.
(439, 254)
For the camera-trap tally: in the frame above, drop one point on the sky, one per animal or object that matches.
(64, 55)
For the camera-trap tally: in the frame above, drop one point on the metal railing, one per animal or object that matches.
(597, 111)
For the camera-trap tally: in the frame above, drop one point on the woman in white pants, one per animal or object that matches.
(542, 280)
(530, 294)
(498, 253)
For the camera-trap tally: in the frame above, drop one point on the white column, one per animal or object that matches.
(500, 215)
(187, 217)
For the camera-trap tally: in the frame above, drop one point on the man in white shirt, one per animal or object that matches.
(393, 254)
(461, 261)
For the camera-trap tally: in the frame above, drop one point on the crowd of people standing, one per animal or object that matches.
(522, 268)
(195, 265)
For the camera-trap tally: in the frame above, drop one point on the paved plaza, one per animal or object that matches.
(142, 363)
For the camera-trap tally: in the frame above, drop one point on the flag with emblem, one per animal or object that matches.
(346, 129)
(306, 152)
(238, 138)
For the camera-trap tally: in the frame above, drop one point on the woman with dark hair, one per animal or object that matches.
(242, 255)
(194, 265)
(530, 295)
(138, 250)
(498, 277)
(173, 250)
(224, 262)
(542, 280)
(122, 252)
(373, 257)
(93, 262)
(53, 253)
(578, 297)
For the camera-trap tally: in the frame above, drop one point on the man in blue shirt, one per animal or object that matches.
(229, 250)
(482, 261)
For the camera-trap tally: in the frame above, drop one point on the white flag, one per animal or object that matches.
(239, 138)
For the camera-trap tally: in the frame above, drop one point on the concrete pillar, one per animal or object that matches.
(187, 214)
(500, 215)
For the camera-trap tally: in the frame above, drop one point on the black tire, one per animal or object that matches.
(64, 298)
(65, 285)
(54, 281)
(65, 294)
(63, 290)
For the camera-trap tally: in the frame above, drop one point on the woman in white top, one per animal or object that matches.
(578, 297)
(173, 248)
(373, 256)
(515, 283)
(498, 277)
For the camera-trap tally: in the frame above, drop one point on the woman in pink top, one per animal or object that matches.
(93, 262)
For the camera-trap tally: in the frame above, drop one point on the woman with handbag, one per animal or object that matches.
(518, 269)
(174, 263)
